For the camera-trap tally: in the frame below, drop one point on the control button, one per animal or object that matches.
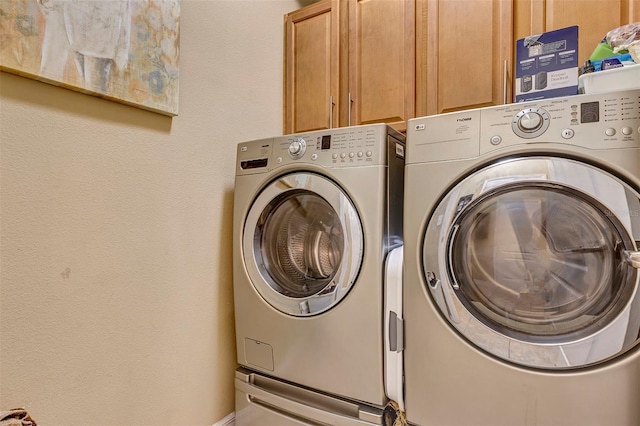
(334, 156)
(610, 132)
(530, 122)
(279, 160)
(567, 133)
(360, 153)
(343, 155)
(297, 148)
(351, 155)
(369, 153)
(627, 131)
(314, 156)
(496, 140)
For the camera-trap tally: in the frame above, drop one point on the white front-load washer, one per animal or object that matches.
(315, 216)
(521, 299)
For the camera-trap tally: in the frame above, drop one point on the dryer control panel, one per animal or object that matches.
(597, 121)
(600, 121)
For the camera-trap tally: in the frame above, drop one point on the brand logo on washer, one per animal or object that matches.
(464, 119)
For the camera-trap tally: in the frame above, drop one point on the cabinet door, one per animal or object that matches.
(631, 12)
(594, 19)
(381, 62)
(311, 56)
(464, 49)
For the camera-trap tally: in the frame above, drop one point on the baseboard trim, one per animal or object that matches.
(228, 420)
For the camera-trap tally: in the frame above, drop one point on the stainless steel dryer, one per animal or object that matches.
(315, 215)
(522, 225)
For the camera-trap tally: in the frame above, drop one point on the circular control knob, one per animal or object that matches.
(297, 148)
(530, 122)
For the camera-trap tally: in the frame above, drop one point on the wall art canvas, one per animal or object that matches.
(123, 50)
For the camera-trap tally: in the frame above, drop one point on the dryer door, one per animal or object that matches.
(302, 244)
(535, 261)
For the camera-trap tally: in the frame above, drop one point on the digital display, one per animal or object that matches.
(590, 112)
(326, 142)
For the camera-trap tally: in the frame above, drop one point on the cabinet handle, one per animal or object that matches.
(331, 112)
(504, 82)
(350, 103)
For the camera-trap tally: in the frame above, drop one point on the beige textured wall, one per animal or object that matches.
(116, 282)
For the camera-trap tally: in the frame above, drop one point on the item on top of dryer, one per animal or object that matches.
(610, 63)
(621, 43)
(623, 35)
(586, 68)
(554, 53)
(521, 262)
(624, 78)
(541, 80)
(315, 216)
(634, 51)
(526, 83)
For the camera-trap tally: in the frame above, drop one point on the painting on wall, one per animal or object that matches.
(123, 50)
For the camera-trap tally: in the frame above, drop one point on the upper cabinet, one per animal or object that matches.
(349, 62)
(464, 54)
(311, 82)
(381, 62)
(594, 19)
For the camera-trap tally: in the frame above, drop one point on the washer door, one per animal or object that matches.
(302, 244)
(535, 261)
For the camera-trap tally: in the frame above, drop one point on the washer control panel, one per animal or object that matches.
(353, 146)
(341, 147)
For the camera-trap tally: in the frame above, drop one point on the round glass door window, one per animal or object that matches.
(305, 242)
(533, 260)
(299, 242)
(536, 261)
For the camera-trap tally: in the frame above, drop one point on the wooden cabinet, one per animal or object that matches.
(593, 17)
(465, 48)
(349, 62)
(464, 54)
(311, 82)
(381, 62)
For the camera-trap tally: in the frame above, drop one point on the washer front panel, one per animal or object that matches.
(534, 261)
(302, 244)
